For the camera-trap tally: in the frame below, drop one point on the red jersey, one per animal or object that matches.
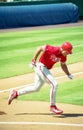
(51, 55)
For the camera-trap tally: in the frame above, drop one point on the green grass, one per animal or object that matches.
(69, 92)
(17, 48)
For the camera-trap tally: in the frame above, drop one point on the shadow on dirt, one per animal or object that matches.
(69, 115)
(58, 116)
(20, 114)
(2, 113)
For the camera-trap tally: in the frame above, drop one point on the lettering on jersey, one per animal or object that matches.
(54, 58)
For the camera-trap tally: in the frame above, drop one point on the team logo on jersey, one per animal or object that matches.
(54, 58)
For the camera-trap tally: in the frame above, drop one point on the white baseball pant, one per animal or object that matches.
(42, 75)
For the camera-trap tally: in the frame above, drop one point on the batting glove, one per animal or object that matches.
(34, 62)
(70, 76)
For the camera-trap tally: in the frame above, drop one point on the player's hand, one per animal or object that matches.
(70, 76)
(33, 62)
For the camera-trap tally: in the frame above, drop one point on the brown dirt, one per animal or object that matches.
(79, 23)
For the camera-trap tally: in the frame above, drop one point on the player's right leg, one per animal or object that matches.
(28, 89)
(13, 95)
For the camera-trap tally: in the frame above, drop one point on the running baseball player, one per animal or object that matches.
(49, 56)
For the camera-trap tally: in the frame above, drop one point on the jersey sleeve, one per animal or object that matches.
(63, 59)
(46, 47)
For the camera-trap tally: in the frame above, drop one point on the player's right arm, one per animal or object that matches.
(38, 51)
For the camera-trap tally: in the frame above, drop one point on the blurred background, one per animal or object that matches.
(79, 3)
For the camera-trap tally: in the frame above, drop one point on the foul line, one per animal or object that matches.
(40, 123)
(60, 77)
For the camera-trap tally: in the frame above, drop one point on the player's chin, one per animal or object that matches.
(65, 54)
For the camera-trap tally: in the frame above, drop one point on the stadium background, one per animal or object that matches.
(79, 3)
(22, 14)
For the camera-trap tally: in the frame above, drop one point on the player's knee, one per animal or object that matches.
(37, 89)
(55, 86)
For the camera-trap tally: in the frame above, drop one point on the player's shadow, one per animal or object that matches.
(67, 115)
(58, 116)
(20, 114)
(2, 113)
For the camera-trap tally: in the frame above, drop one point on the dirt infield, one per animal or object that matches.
(79, 23)
(33, 115)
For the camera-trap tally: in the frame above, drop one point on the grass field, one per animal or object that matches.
(17, 48)
(68, 92)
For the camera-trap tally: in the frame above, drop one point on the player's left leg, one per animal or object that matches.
(54, 85)
(53, 108)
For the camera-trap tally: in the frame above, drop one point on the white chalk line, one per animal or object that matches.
(40, 123)
(27, 85)
(6, 90)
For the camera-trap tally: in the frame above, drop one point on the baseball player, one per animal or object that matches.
(49, 56)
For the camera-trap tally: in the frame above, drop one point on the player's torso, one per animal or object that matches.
(50, 56)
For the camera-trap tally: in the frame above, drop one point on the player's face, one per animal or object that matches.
(65, 53)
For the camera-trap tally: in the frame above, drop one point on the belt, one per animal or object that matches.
(42, 64)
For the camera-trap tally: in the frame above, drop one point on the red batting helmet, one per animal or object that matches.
(67, 46)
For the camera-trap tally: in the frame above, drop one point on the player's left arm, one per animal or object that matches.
(65, 69)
